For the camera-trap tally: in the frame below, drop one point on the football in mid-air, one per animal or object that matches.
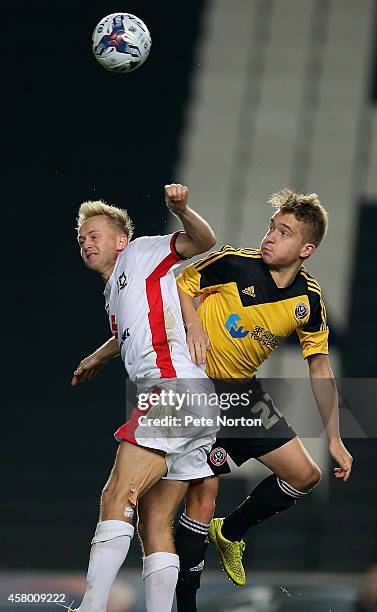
(121, 42)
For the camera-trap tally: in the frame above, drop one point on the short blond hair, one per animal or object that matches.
(116, 216)
(306, 208)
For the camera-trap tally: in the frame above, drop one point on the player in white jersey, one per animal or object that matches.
(145, 318)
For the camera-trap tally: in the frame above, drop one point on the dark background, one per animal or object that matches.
(73, 131)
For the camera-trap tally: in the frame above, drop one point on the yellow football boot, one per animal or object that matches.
(230, 552)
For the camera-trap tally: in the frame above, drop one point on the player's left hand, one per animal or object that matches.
(87, 370)
(176, 197)
(198, 343)
(343, 458)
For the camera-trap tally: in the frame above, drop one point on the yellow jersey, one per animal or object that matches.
(246, 315)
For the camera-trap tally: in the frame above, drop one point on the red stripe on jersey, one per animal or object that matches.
(156, 314)
(114, 326)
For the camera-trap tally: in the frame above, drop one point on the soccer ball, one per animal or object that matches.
(121, 42)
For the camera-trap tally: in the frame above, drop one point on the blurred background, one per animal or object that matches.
(237, 99)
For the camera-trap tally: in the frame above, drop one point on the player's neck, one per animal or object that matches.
(284, 276)
(107, 272)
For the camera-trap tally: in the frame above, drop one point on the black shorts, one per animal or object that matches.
(273, 432)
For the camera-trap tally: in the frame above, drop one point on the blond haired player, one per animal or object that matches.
(249, 300)
(141, 294)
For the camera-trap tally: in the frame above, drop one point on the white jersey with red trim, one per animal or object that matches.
(144, 310)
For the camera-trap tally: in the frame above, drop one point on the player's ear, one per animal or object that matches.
(307, 249)
(122, 242)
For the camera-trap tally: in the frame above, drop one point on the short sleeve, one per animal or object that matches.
(207, 274)
(156, 253)
(314, 335)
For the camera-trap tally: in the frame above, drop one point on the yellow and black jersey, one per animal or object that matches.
(246, 315)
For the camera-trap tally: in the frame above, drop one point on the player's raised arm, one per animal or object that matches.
(198, 236)
(90, 366)
(326, 396)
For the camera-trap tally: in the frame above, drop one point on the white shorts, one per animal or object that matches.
(179, 418)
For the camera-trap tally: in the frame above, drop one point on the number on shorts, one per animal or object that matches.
(266, 406)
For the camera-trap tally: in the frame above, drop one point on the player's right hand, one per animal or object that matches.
(87, 370)
(198, 343)
(176, 197)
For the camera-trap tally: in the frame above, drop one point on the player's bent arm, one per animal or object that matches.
(90, 366)
(326, 397)
(198, 236)
(108, 350)
(197, 339)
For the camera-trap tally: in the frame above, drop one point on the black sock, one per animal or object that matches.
(269, 497)
(191, 544)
